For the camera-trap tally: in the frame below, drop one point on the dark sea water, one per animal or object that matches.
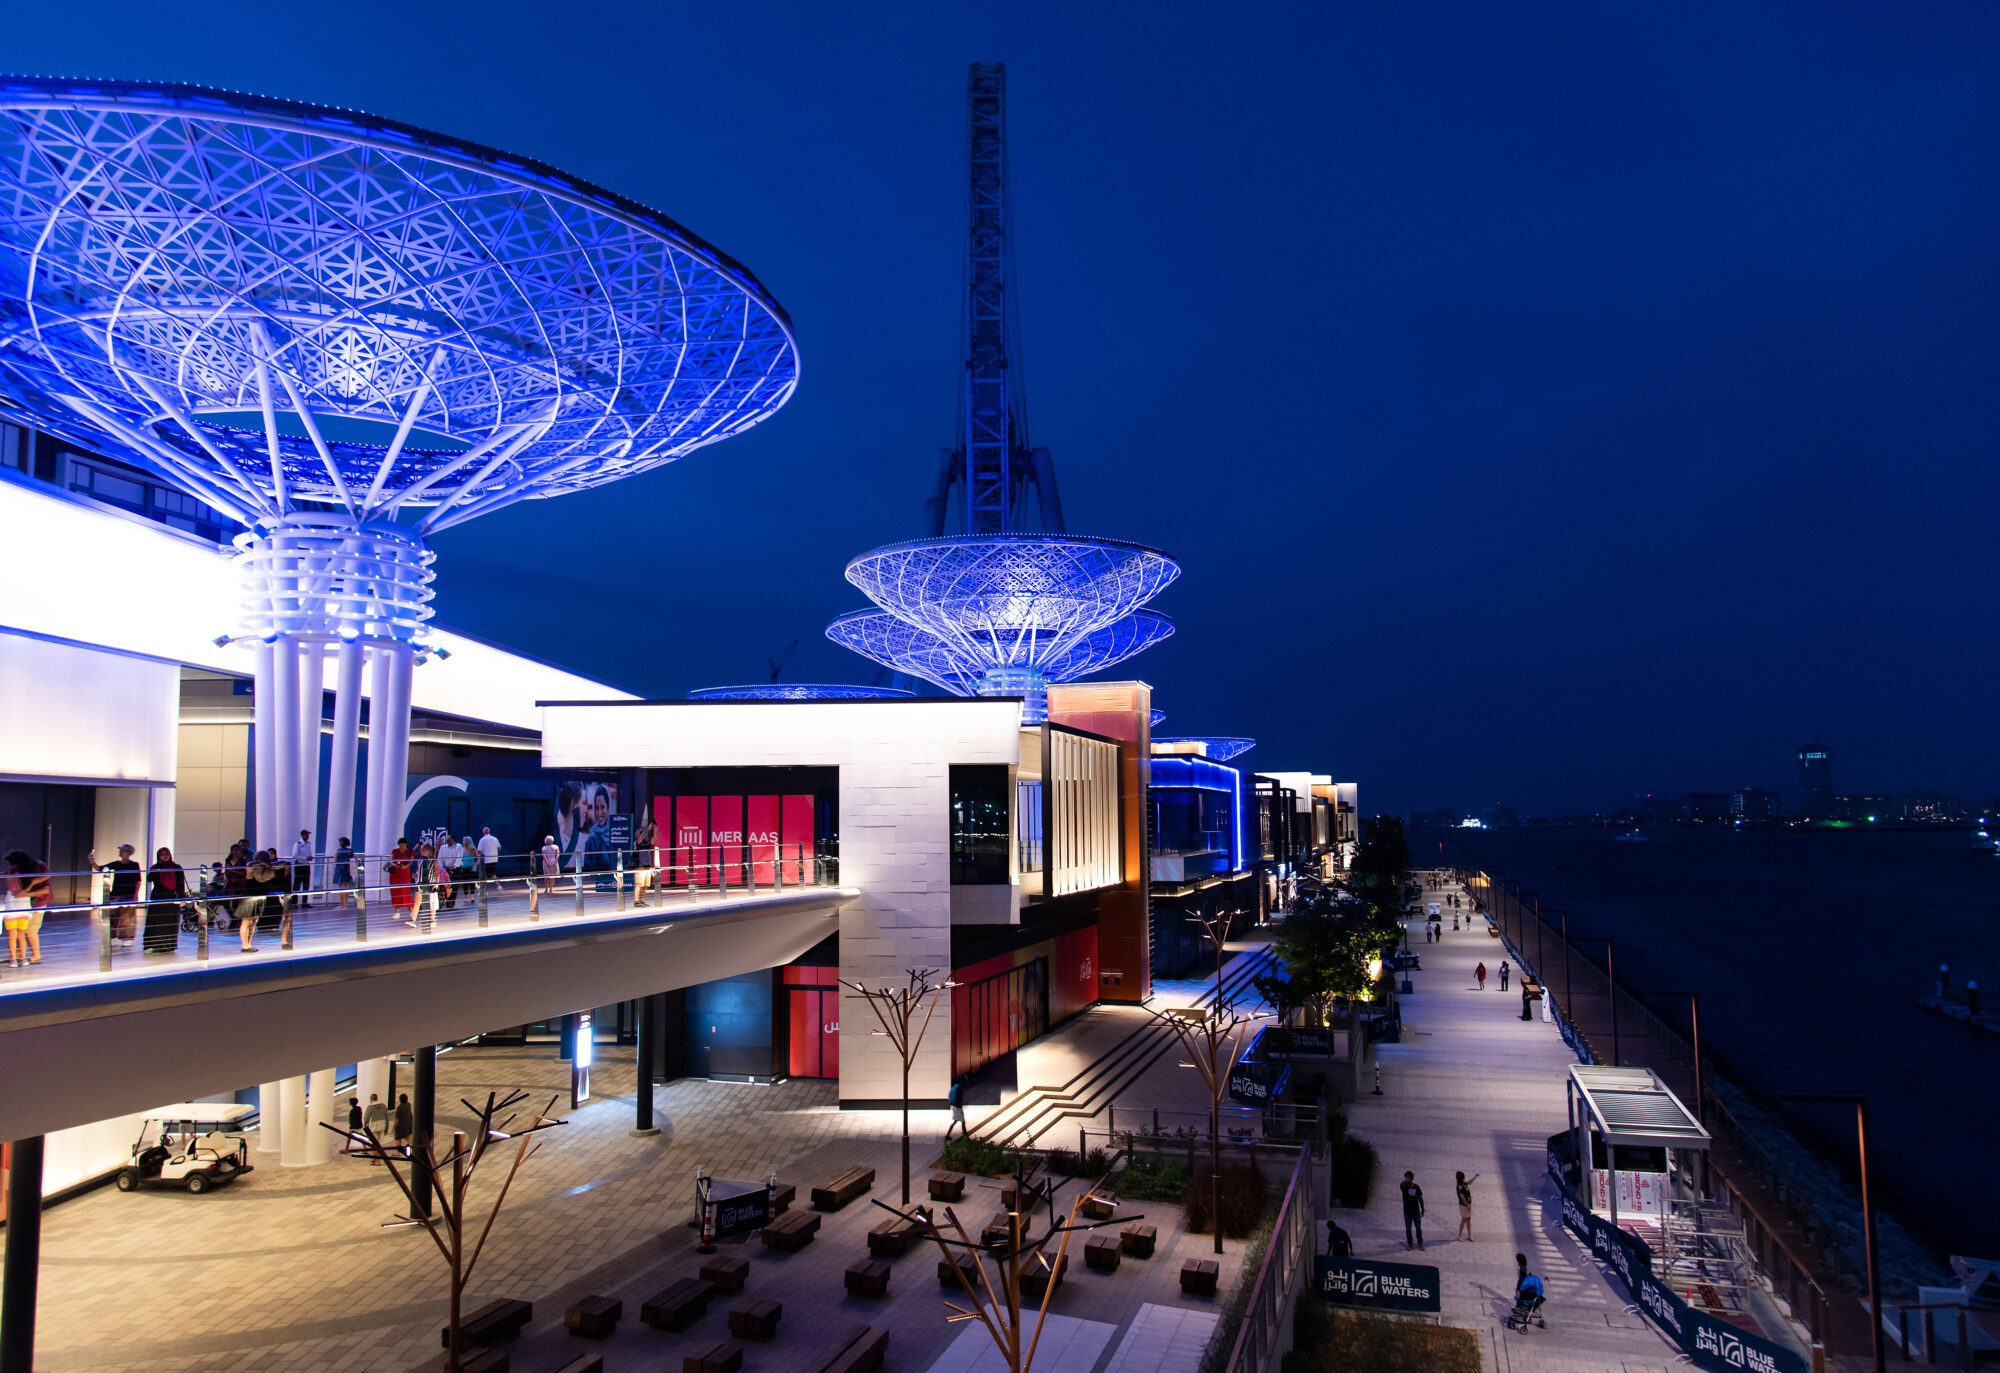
(1809, 950)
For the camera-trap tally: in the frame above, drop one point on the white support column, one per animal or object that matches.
(323, 1107)
(312, 701)
(346, 745)
(270, 1119)
(285, 750)
(378, 756)
(265, 748)
(371, 1078)
(396, 775)
(292, 1105)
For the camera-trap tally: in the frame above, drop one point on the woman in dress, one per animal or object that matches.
(400, 859)
(550, 863)
(260, 880)
(424, 877)
(166, 896)
(1465, 1205)
(15, 912)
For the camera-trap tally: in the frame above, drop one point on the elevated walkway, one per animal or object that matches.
(85, 1045)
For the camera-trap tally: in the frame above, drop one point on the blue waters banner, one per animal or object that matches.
(1710, 1343)
(1371, 1282)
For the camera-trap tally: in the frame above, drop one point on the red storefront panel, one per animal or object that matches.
(796, 833)
(761, 833)
(725, 834)
(690, 839)
(814, 1013)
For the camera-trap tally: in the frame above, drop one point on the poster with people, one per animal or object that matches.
(584, 811)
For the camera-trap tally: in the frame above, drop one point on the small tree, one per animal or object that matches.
(447, 1228)
(1213, 1044)
(895, 1009)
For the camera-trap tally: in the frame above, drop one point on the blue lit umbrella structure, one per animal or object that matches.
(798, 691)
(348, 333)
(1159, 717)
(1220, 747)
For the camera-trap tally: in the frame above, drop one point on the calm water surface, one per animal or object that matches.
(1808, 951)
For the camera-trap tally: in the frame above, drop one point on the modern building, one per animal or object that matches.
(1815, 781)
(1705, 806)
(1753, 803)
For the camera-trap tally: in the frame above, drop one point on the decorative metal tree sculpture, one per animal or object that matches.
(1006, 614)
(895, 1008)
(1213, 1044)
(348, 334)
(447, 1227)
(996, 1302)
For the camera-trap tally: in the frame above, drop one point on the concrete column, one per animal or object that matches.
(265, 743)
(372, 1075)
(292, 1106)
(270, 1120)
(159, 821)
(423, 1105)
(649, 1054)
(396, 772)
(23, 1263)
(323, 1107)
(285, 744)
(346, 747)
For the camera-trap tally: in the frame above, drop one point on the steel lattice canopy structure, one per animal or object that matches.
(271, 302)
(1159, 717)
(1218, 747)
(906, 648)
(798, 691)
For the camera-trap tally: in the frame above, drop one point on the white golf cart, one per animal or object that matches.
(195, 1145)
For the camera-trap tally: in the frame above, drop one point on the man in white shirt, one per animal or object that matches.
(450, 855)
(302, 866)
(489, 855)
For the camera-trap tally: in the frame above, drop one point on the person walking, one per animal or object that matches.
(406, 1123)
(1480, 973)
(15, 912)
(449, 855)
(122, 900)
(489, 855)
(166, 897)
(1465, 1205)
(354, 1120)
(1503, 974)
(551, 865)
(376, 1120)
(424, 877)
(343, 875)
(260, 880)
(1413, 1212)
(31, 876)
(400, 895)
(956, 1096)
(1520, 1270)
(645, 861)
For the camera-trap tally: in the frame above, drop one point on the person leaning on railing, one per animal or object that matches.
(124, 894)
(264, 890)
(645, 861)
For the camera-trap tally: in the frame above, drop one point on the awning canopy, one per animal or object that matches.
(1632, 1106)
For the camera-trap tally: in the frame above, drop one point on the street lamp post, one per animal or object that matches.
(1538, 941)
(1860, 1105)
(895, 1008)
(1610, 972)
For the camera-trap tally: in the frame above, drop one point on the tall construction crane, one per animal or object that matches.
(992, 466)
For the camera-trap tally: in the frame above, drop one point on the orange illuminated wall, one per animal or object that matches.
(1121, 711)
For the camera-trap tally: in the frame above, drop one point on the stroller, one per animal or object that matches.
(1528, 1300)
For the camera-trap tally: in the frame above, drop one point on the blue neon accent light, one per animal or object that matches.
(1188, 772)
(798, 691)
(1221, 747)
(270, 303)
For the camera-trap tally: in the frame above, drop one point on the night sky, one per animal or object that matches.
(1546, 401)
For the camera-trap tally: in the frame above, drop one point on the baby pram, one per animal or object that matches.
(1527, 1305)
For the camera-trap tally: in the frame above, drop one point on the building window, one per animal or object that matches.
(1028, 824)
(979, 828)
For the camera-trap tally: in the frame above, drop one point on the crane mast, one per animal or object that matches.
(992, 465)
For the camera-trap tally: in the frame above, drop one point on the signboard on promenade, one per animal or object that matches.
(1374, 1283)
(1708, 1342)
(732, 1208)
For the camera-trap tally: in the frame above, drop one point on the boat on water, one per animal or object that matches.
(1982, 840)
(1631, 837)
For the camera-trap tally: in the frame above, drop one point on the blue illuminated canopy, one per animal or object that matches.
(272, 303)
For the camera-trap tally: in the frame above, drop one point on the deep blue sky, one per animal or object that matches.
(1546, 401)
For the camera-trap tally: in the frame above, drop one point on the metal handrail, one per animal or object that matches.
(1963, 1344)
(1291, 1242)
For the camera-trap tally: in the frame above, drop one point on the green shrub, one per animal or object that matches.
(982, 1156)
(1326, 1339)
(1242, 1200)
(1061, 1162)
(1354, 1165)
(1096, 1163)
(1151, 1180)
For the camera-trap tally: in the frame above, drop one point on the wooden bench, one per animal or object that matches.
(728, 1273)
(782, 1202)
(791, 1232)
(966, 1264)
(947, 1187)
(492, 1360)
(999, 1232)
(831, 1196)
(893, 1237)
(720, 1357)
(1099, 1208)
(861, 1348)
(1100, 1252)
(1138, 1240)
(1035, 1275)
(1198, 1277)
(595, 1317)
(755, 1320)
(491, 1323)
(1035, 1187)
(584, 1363)
(868, 1278)
(679, 1306)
